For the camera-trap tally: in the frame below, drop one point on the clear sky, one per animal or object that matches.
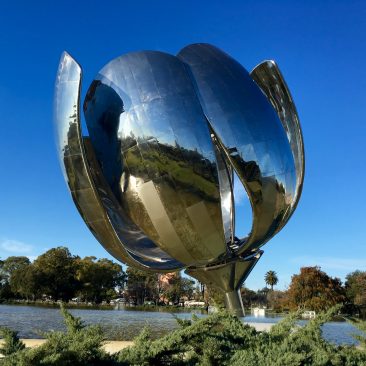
(320, 47)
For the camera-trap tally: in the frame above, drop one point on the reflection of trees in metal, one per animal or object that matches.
(188, 169)
(247, 129)
(154, 179)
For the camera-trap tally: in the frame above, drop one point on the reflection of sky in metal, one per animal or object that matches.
(242, 205)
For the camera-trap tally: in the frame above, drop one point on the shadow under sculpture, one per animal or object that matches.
(153, 181)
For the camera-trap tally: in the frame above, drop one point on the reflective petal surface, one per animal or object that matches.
(154, 180)
(269, 78)
(86, 185)
(154, 147)
(250, 134)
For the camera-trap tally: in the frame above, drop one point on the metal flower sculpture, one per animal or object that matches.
(154, 179)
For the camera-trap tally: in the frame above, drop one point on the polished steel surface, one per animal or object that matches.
(86, 185)
(154, 180)
(269, 78)
(228, 276)
(250, 134)
(155, 150)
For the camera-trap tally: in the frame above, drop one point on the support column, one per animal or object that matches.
(233, 303)
(228, 277)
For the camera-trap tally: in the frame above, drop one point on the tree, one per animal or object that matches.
(356, 287)
(313, 289)
(271, 279)
(3, 277)
(13, 263)
(248, 296)
(5, 291)
(277, 300)
(214, 296)
(187, 287)
(24, 282)
(261, 296)
(177, 287)
(142, 285)
(7, 268)
(57, 273)
(98, 279)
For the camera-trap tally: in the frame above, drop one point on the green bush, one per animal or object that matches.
(219, 339)
(79, 345)
(12, 343)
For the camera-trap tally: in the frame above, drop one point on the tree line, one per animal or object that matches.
(311, 289)
(59, 275)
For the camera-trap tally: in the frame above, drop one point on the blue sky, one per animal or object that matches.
(320, 48)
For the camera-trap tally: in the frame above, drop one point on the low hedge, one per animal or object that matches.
(219, 339)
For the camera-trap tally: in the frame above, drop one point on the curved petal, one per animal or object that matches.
(137, 244)
(269, 78)
(226, 182)
(153, 143)
(249, 133)
(72, 154)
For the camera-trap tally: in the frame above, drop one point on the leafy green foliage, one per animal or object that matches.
(177, 287)
(13, 263)
(222, 339)
(356, 287)
(8, 269)
(361, 325)
(79, 345)
(142, 285)
(219, 339)
(97, 277)
(73, 324)
(24, 282)
(11, 342)
(271, 279)
(60, 276)
(57, 273)
(288, 344)
(215, 297)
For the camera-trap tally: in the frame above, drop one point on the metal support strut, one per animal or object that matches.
(233, 303)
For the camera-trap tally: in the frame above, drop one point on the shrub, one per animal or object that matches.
(79, 345)
(219, 339)
(11, 342)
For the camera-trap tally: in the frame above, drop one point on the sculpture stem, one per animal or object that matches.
(234, 303)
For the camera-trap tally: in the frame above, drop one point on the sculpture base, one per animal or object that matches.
(234, 304)
(228, 277)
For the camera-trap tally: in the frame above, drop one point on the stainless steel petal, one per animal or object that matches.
(226, 180)
(154, 180)
(250, 134)
(137, 244)
(153, 144)
(269, 78)
(77, 172)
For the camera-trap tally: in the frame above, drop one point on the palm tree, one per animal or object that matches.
(271, 279)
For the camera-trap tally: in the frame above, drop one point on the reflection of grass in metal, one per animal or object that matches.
(182, 173)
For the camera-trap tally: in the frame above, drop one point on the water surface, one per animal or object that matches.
(33, 321)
